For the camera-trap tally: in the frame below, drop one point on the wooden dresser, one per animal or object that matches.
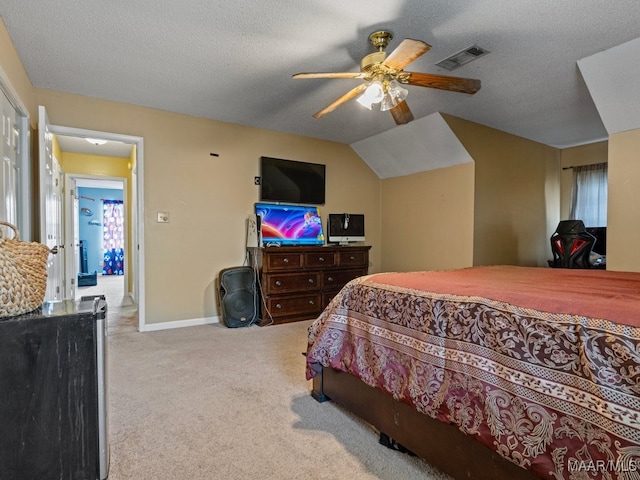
(297, 283)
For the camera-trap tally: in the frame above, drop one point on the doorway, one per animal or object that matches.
(134, 289)
(100, 225)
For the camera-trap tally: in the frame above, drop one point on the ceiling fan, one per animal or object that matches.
(384, 76)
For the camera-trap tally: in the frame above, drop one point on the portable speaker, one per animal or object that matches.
(238, 297)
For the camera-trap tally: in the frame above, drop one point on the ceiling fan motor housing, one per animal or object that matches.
(372, 59)
(380, 39)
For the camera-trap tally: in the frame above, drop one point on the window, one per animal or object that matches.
(589, 195)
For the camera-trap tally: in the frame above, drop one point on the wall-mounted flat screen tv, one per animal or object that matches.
(290, 224)
(344, 228)
(290, 181)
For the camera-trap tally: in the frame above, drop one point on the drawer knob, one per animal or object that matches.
(321, 259)
(278, 305)
(311, 302)
(352, 257)
(286, 260)
(311, 280)
(278, 283)
(330, 279)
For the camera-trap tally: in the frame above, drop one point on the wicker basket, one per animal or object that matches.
(23, 273)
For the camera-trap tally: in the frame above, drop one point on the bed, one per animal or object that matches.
(491, 372)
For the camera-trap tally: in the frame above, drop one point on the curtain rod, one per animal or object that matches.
(585, 165)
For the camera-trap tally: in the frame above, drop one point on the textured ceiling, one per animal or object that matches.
(233, 61)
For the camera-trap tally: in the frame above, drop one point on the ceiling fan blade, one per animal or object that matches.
(354, 92)
(329, 75)
(408, 51)
(443, 82)
(402, 113)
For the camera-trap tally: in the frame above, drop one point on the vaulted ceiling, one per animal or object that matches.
(234, 61)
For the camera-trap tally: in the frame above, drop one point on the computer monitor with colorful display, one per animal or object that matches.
(290, 224)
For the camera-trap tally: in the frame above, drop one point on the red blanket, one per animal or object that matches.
(592, 293)
(541, 365)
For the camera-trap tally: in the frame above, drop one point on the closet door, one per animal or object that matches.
(9, 173)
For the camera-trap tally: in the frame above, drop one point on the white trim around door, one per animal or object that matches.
(137, 221)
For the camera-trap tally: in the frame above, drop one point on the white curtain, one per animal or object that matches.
(589, 195)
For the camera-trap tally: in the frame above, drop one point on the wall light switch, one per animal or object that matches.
(163, 217)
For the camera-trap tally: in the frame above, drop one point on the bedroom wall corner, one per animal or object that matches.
(623, 209)
(427, 220)
(517, 200)
(588, 154)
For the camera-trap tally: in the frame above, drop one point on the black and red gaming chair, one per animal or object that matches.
(571, 245)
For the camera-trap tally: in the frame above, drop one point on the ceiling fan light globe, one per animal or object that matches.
(365, 101)
(396, 91)
(395, 94)
(373, 94)
(388, 102)
(376, 92)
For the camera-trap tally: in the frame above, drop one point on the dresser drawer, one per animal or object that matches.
(326, 259)
(292, 282)
(337, 279)
(297, 282)
(282, 261)
(353, 259)
(295, 305)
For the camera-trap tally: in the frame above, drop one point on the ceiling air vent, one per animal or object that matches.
(463, 56)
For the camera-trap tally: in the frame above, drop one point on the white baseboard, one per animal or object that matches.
(192, 322)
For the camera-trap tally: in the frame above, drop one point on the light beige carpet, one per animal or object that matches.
(122, 317)
(212, 402)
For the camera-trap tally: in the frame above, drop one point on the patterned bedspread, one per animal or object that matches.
(541, 365)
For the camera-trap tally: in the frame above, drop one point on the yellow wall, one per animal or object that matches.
(573, 157)
(427, 220)
(623, 213)
(55, 150)
(501, 209)
(209, 198)
(92, 165)
(517, 195)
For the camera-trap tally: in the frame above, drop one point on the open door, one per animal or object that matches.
(51, 219)
(72, 244)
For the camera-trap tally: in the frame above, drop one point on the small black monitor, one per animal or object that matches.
(344, 228)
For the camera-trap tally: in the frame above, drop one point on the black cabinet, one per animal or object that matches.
(52, 426)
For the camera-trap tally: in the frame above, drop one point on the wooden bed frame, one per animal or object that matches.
(439, 444)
